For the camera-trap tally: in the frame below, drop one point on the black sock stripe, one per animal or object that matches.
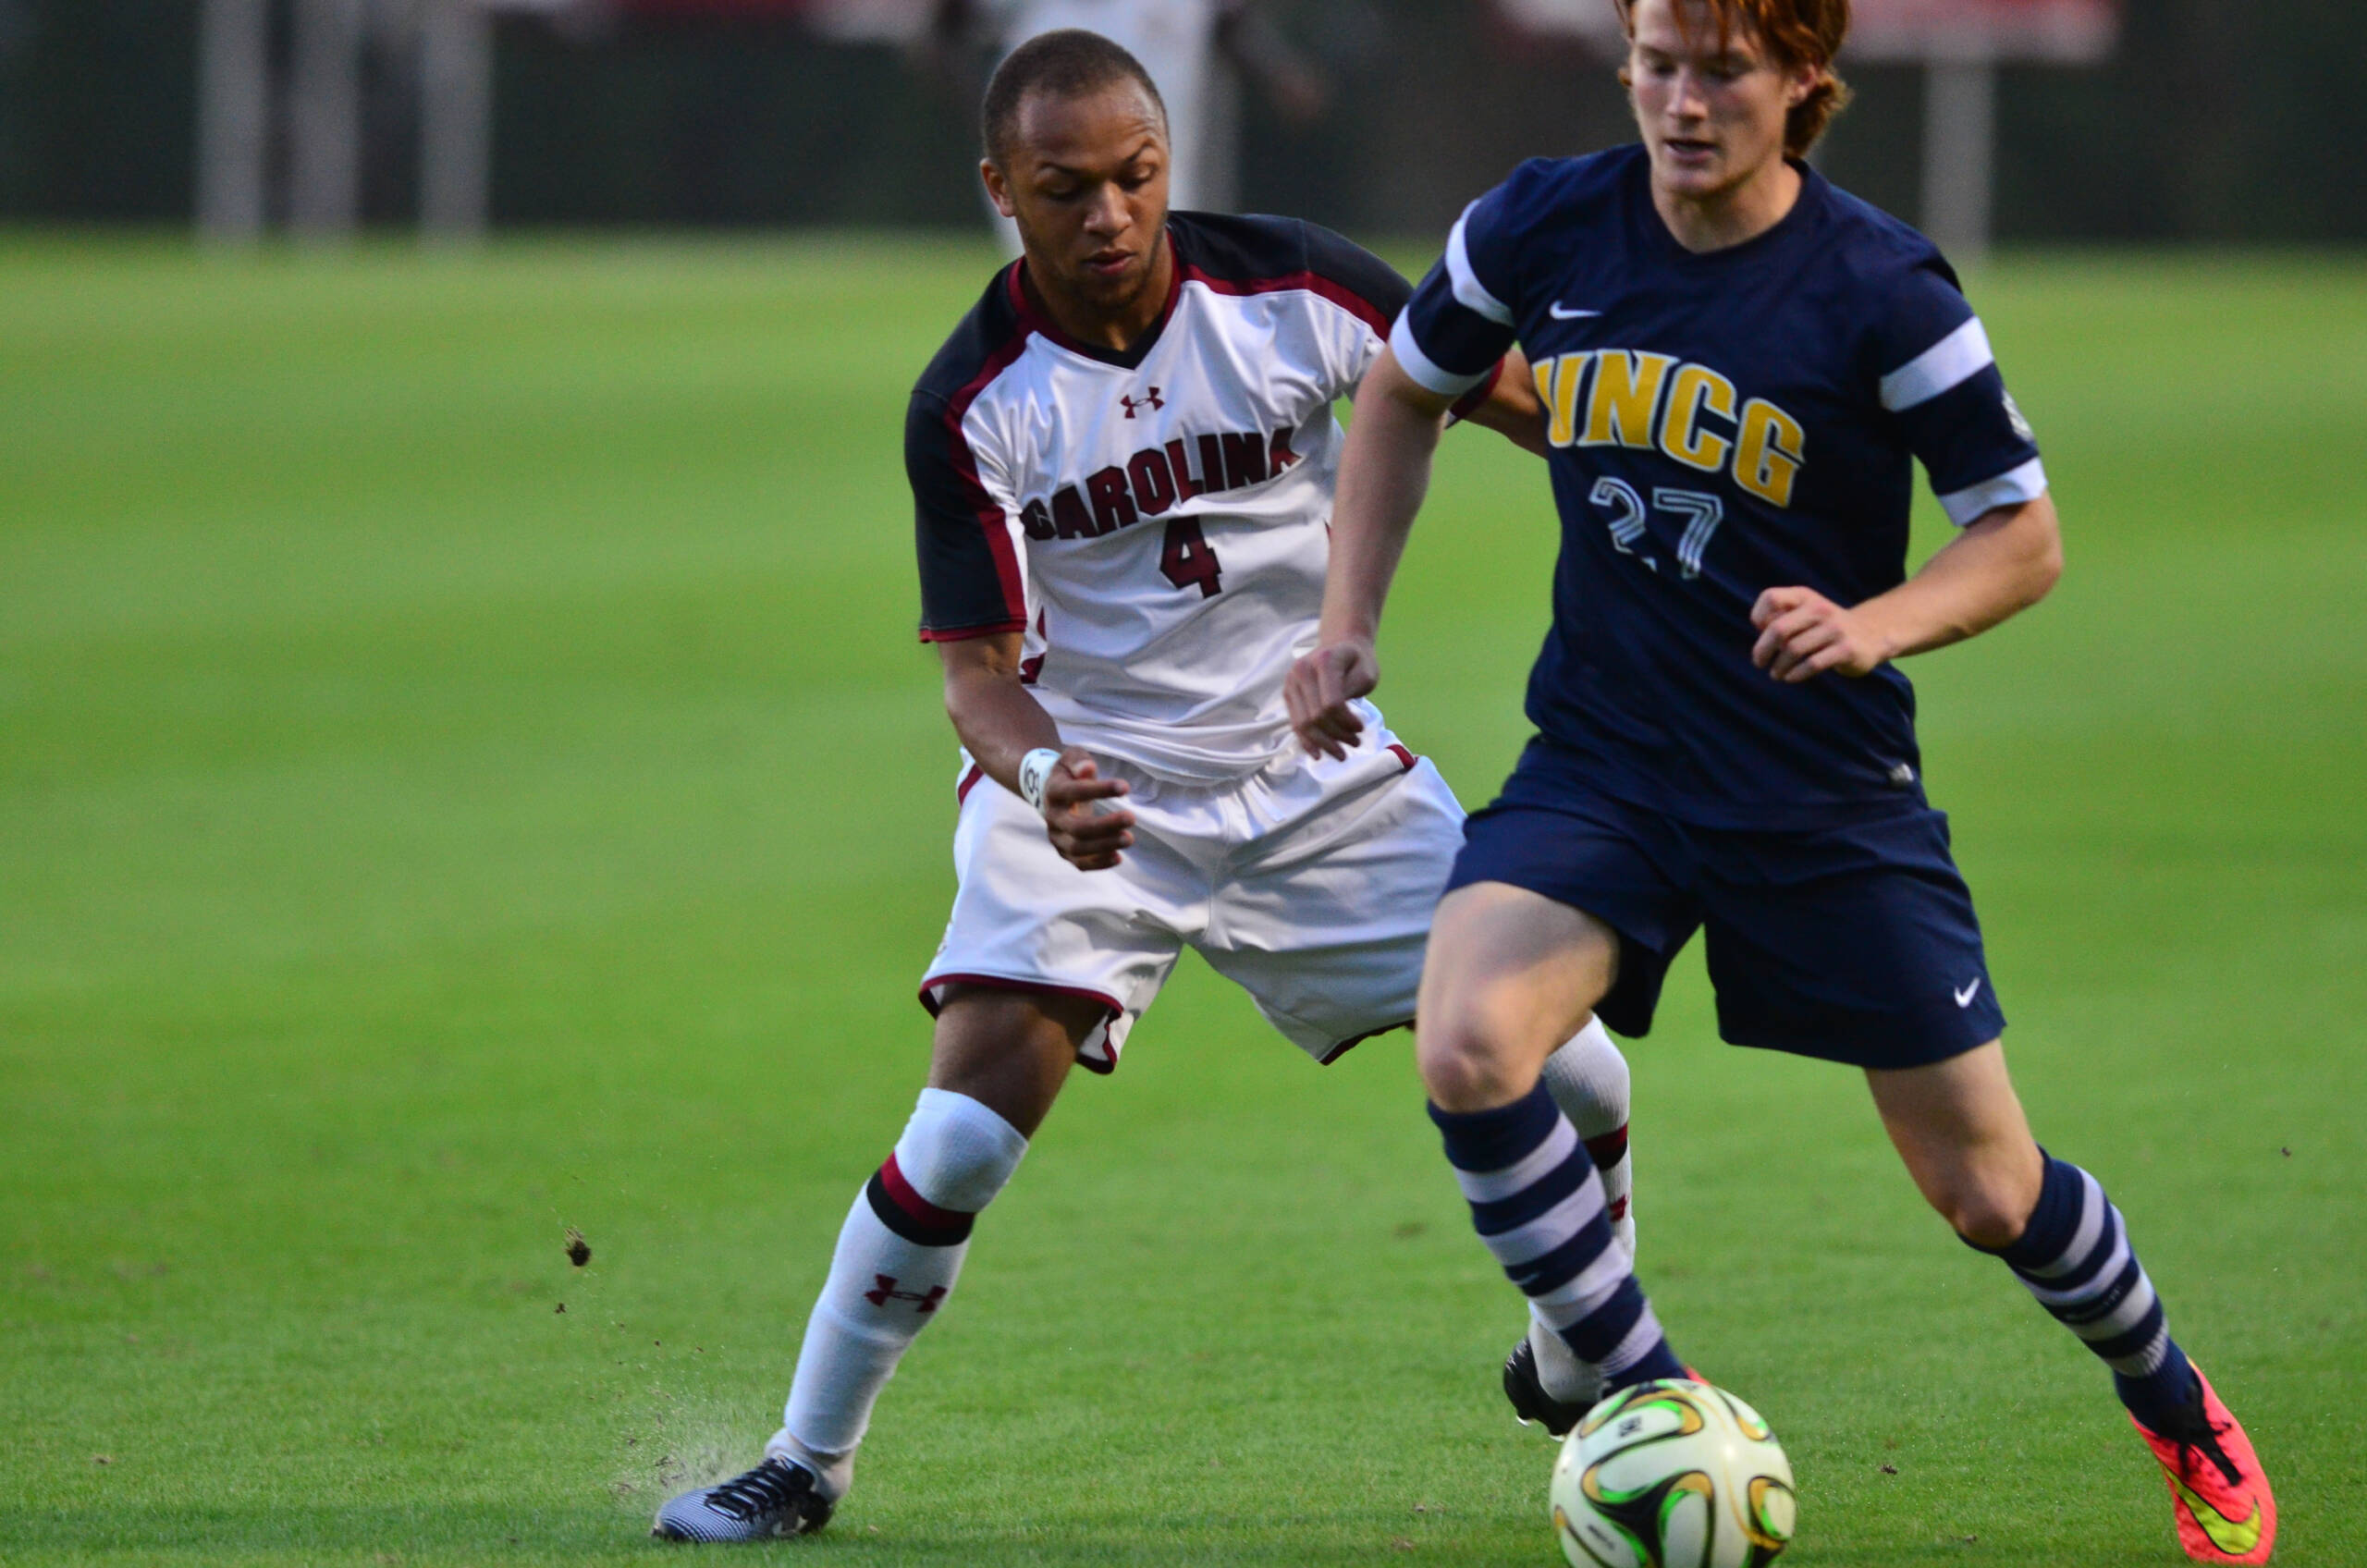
(2107, 1242)
(1596, 1335)
(2053, 1224)
(1492, 1140)
(1609, 1148)
(2106, 1302)
(2137, 1339)
(2081, 1272)
(1551, 1271)
(1495, 1217)
(896, 1218)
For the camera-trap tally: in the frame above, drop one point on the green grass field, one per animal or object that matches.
(466, 772)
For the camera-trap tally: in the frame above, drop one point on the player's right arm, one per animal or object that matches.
(974, 606)
(1448, 340)
(1384, 473)
(1000, 722)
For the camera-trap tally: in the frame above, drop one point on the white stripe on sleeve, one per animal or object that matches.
(2010, 488)
(1423, 369)
(1472, 294)
(1946, 363)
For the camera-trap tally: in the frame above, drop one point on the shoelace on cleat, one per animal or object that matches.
(770, 1485)
(2209, 1448)
(2195, 1434)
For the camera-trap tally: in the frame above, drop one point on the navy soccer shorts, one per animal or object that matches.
(1855, 943)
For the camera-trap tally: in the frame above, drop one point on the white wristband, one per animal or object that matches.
(1035, 768)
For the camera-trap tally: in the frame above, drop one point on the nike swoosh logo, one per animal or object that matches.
(1964, 997)
(2233, 1536)
(1558, 314)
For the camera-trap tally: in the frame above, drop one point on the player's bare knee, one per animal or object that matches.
(1466, 1065)
(1988, 1213)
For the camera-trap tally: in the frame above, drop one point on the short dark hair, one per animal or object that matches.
(1066, 63)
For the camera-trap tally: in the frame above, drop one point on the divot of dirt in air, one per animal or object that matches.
(579, 1251)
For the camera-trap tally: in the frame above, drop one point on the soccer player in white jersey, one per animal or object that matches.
(1122, 464)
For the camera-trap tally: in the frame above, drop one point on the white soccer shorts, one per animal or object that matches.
(1310, 884)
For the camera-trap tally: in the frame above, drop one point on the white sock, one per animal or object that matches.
(1588, 1078)
(898, 1256)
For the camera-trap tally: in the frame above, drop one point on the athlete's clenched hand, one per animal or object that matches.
(1802, 634)
(1319, 689)
(1087, 834)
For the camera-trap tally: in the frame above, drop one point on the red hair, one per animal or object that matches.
(1795, 33)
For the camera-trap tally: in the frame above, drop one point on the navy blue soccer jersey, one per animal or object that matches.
(1723, 424)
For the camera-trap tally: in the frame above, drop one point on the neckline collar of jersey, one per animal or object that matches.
(1811, 196)
(1127, 358)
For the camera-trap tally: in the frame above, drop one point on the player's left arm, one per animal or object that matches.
(2002, 563)
(1946, 398)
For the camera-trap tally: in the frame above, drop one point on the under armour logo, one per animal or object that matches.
(887, 1293)
(1152, 402)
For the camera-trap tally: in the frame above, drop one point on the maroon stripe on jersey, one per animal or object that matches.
(990, 516)
(1364, 309)
(923, 1212)
(1408, 758)
(969, 782)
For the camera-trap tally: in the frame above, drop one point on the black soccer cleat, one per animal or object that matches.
(777, 1497)
(1530, 1402)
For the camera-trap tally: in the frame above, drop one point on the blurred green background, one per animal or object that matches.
(466, 771)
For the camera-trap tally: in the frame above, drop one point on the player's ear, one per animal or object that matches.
(998, 188)
(1798, 82)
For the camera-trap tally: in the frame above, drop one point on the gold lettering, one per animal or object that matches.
(1557, 387)
(1770, 452)
(1626, 393)
(1697, 387)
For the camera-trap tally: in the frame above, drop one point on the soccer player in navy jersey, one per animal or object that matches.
(1741, 364)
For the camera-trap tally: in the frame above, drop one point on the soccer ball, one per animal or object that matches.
(1672, 1474)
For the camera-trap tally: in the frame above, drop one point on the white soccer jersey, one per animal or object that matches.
(1155, 521)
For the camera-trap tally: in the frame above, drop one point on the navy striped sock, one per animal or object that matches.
(2075, 1257)
(1537, 1202)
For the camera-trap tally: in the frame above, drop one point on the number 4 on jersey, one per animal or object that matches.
(1187, 558)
